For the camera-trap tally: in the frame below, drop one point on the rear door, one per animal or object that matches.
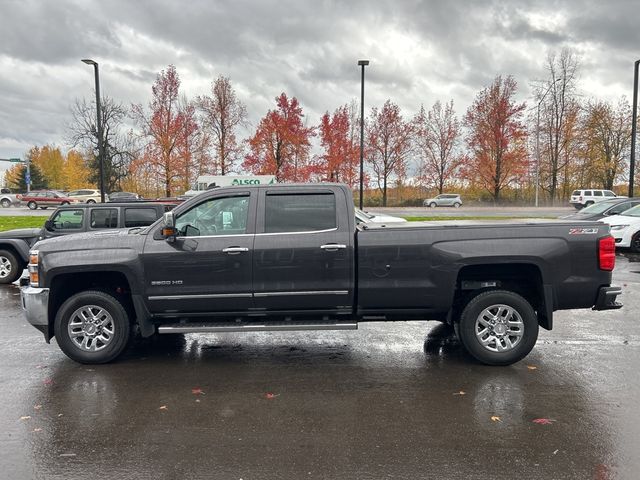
(303, 258)
(208, 267)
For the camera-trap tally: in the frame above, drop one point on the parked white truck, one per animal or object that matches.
(208, 182)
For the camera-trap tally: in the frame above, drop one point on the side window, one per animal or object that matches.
(104, 218)
(216, 216)
(609, 193)
(597, 193)
(139, 217)
(299, 212)
(68, 220)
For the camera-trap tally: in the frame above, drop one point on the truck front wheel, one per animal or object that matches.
(498, 327)
(92, 327)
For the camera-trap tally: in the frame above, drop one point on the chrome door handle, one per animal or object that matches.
(332, 247)
(235, 250)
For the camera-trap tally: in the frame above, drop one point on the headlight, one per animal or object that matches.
(33, 267)
(618, 227)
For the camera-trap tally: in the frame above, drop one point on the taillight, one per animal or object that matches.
(606, 253)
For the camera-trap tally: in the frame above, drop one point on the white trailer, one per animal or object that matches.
(207, 182)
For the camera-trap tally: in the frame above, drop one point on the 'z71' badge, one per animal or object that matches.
(583, 231)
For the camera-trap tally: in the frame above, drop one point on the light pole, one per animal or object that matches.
(99, 126)
(634, 124)
(362, 63)
(538, 140)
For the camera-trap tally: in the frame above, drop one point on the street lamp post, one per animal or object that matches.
(99, 126)
(538, 140)
(362, 63)
(634, 125)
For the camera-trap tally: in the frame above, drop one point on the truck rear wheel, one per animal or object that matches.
(498, 327)
(92, 327)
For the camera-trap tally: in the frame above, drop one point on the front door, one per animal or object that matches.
(208, 267)
(303, 254)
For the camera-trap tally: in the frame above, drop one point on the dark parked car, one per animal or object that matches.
(46, 198)
(15, 244)
(291, 257)
(123, 197)
(603, 209)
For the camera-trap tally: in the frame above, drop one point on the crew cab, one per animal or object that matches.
(291, 257)
(68, 219)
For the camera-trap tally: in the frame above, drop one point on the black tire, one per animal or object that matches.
(457, 205)
(471, 314)
(32, 205)
(10, 267)
(120, 323)
(64, 203)
(635, 243)
(588, 204)
(433, 205)
(91, 200)
(6, 203)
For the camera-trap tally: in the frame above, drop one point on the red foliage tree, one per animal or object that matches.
(496, 137)
(436, 137)
(389, 144)
(340, 160)
(168, 126)
(281, 144)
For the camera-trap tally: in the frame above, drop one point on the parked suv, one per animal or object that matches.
(47, 198)
(87, 195)
(444, 200)
(584, 198)
(68, 219)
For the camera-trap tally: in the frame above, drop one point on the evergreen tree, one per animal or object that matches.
(38, 182)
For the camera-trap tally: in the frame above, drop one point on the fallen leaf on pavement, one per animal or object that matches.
(67, 454)
(41, 366)
(543, 421)
(495, 418)
(197, 391)
(47, 381)
(461, 392)
(163, 407)
(271, 395)
(61, 414)
(37, 429)
(532, 367)
(25, 417)
(37, 407)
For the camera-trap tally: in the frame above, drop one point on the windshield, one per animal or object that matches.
(632, 212)
(598, 207)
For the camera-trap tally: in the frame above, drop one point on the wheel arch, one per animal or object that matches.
(523, 278)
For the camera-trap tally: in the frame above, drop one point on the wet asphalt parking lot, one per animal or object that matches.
(391, 400)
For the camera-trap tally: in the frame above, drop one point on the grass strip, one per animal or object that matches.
(11, 222)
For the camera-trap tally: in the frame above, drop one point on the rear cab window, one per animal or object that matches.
(300, 212)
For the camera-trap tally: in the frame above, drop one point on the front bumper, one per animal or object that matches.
(607, 298)
(35, 303)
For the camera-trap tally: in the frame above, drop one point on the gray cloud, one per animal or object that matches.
(420, 51)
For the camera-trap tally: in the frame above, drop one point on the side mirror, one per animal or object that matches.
(169, 231)
(48, 225)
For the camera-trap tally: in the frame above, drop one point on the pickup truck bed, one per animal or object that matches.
(291, 257)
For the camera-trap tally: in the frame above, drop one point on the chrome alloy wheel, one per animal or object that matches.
(5, 267)
(91, 328)
(499, 328)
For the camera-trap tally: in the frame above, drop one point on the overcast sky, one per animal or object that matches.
(420, 52)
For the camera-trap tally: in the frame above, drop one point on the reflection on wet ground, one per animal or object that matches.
(394, 400)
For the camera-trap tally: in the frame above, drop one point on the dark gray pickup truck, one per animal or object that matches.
(291, 257)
